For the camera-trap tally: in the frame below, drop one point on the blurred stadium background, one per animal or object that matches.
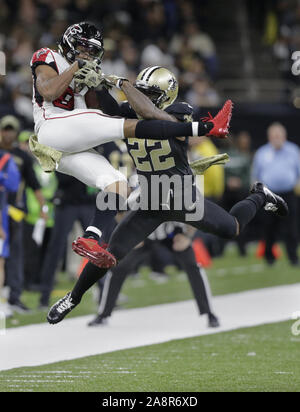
(241, 49)
(237, 49)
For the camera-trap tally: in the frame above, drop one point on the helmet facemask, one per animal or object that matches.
(95, 52)
(154, 93)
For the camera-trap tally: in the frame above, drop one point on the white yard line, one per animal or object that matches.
(42, 343)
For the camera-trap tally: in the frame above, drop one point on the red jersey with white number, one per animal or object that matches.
(67, 102)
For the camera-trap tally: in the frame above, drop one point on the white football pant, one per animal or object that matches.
(75, 134)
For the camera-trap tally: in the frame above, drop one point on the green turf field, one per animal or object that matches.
(263, 358)
(229, 274)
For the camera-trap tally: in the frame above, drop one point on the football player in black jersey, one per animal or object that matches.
(158, 158)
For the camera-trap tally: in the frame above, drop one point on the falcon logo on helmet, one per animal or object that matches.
(159, 84)
(82, 34)
(76, 28)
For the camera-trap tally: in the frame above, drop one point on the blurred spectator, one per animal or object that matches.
(277, 164)
(152, 55)
(112, 63)
(282, 28)
(34, 253)
(9, 181)
(214, 176)
(237, 177)
(194, 40)
(73, 202)
(138, 33)
(9, 129)
(202, 94)
(150, 21)
(214, 184)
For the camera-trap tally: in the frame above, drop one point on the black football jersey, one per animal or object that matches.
(168, 157)
(158, 158)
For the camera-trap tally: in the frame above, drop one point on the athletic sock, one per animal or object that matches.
(102, 220)
(245, 210)
(164, 129)
(88, 277)
(92, 232)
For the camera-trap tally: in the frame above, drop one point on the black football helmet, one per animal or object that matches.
(81, 34)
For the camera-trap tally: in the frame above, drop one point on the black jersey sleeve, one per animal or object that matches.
(29, 173)
(107, 103)
(127, 111)
(182, 111)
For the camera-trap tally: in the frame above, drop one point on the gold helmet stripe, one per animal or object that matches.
(146, 76)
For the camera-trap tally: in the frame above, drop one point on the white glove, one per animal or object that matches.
(111, 80)
(89, 75)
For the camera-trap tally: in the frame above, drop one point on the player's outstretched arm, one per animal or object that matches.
(162, 129)
(52, 85)
(142, 105)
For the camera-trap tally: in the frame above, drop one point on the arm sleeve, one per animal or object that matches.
(107, 103)
(127, 111)
(29, 174)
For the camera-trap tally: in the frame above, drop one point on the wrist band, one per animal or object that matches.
(195, 129)
(45, 208)
(120, 83)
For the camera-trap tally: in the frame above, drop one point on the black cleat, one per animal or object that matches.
(274, 203)
(19, 307)
(60, 309)
(213, 321)
(98, 320)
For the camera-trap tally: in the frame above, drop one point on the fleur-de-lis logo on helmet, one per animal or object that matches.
(172, 84)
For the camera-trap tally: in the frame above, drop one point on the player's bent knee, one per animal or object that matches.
(120, 187)
(229, 230)
(111, 181)
(238, 228)
(228, 233)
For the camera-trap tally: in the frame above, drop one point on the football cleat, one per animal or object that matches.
(19, 307)
(221, 121)
(96, 254)
(98, 320)
(60, 309)
(213, 321)
(274, 203)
